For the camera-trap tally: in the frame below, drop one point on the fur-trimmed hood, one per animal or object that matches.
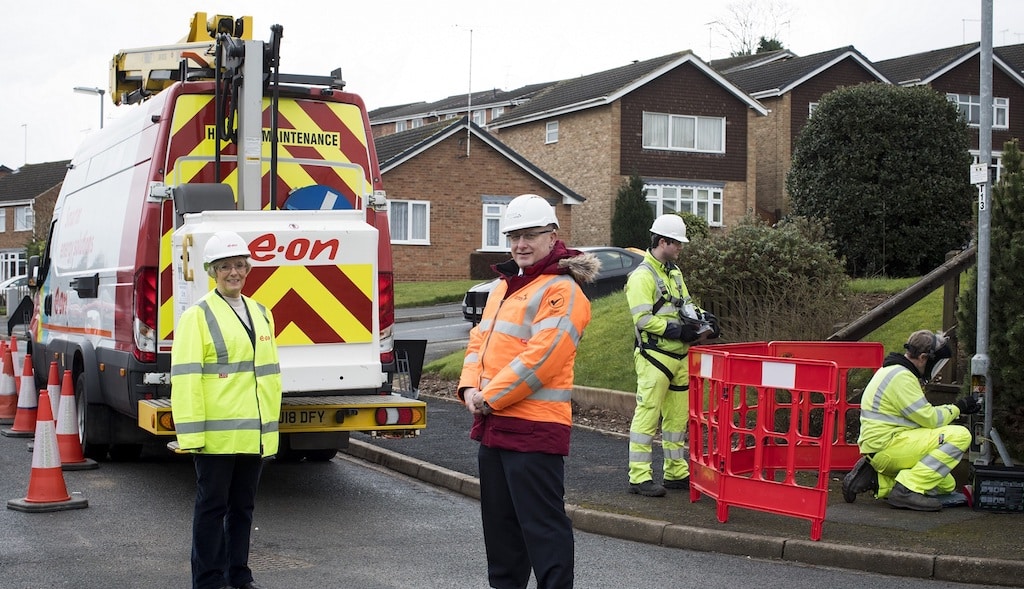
(583, 267)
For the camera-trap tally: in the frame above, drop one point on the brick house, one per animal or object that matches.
(447, 185)
(956, 71)
(27, 197)
(673, 119)
(790, 88)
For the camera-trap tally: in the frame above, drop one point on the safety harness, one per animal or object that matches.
(651, 343)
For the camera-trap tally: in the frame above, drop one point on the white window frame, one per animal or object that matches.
(402, 224)
(497, 111)
(674, 134)
(24, 218)
(417, 123)
(700, 199)
(3, 219)
(480, 117)
(551, 132)
(399, 126)
(968, 104)
(491, 237)
(811, 107)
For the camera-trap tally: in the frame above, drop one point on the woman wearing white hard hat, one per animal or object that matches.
(226, 399)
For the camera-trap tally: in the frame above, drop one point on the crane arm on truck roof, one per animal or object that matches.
(138, 73)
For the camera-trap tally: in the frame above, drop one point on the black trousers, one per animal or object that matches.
(522, 505)
(222, 520)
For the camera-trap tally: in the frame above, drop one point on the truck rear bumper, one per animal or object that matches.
(340, 413)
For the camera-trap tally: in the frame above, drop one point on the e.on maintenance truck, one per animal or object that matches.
(217, 138)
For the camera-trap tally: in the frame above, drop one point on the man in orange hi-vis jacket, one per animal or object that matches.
(516, 380)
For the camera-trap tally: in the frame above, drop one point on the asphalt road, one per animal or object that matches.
(340, 524)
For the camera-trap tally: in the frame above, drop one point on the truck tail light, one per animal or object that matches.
(386, 307)
(398, 416)
(145, 314)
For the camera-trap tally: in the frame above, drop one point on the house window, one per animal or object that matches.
(811, 107)
(24, 219)
(450, 116)
(551, 132)
(970, 106)
(480, 117)
(409, 221)
(493, 239)
(701, 200)
(399, 126)
(684, 133)
(497, 112)
(417, 123)
(3, 220)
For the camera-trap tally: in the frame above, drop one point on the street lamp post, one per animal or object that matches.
(98, 92)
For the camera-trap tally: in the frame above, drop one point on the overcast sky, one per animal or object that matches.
(400, 51)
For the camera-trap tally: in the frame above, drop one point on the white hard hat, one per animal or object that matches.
(670, 225)
(224, 244)
(526, 211)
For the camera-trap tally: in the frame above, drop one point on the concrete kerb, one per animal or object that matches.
(663, 533)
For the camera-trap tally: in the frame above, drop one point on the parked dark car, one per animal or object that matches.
(616, 264)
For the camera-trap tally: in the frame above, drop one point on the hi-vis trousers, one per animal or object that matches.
(659, 399)
(921, 459)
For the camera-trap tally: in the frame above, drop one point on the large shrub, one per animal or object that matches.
(768, 283)
(1005, 304)
(885, 168)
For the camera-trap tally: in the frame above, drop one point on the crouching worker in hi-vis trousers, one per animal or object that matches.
(226, 399)
(909, 447)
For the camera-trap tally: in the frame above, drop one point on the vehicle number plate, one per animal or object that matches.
(303, 417)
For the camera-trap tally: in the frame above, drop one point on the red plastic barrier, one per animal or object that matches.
(750, 432)
(847, 356)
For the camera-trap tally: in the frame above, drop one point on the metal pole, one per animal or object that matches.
(980, 381)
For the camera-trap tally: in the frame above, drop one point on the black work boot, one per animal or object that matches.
(862, 478)
(647, 489)
(903, 498)
(683, 483)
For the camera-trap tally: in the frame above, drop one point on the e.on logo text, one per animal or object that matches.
(266, 247)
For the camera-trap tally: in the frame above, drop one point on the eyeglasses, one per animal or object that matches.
(240, 265)
(529, 236)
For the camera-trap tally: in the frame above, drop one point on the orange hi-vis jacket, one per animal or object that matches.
(521, 358)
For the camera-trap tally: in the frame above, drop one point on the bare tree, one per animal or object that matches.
(748, 22)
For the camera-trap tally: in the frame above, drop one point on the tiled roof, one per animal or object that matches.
(922, 66)
(455, 103)
(781, 76)
(391, 146)
(742, 62)
(396, 148)
(31, 180)
(1013, 55)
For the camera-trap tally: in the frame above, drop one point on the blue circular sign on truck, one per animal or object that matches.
(316, 197)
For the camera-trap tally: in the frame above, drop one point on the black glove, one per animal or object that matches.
(688, 334)
(716, 330)
(968, 405)
(673, 330)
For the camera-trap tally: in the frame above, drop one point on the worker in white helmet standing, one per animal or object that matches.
(517, 380)
(226, 400)
(666, 323)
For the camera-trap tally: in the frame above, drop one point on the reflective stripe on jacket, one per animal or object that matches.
(225, 387)
(642, 295)
(521, 358)
(893, 402)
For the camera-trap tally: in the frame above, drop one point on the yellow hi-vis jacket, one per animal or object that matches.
(893, 402)
(655, 292)
(225, 385)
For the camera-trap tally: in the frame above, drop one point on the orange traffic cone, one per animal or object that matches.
(18, 356)
(46, 488)
(28, 405)
(68, 439)
(8, 389)
(53, 389)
